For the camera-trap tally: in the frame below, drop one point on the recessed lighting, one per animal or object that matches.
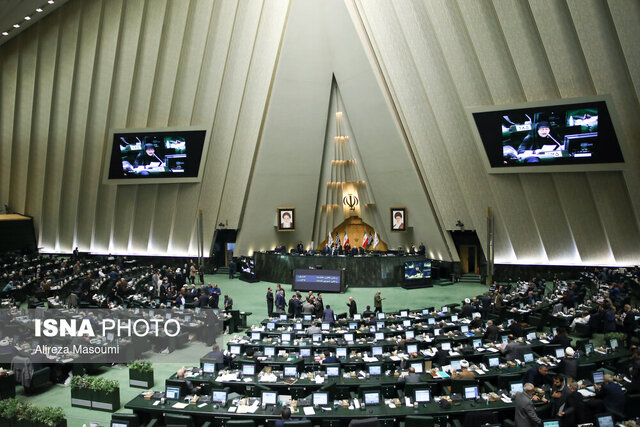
(50, 2)
(27, 18)
(16, 25)
(4, 33)
(38, 10)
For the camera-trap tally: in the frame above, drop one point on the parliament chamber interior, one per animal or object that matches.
(319, 213)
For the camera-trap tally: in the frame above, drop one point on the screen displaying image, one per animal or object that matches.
(422, 396)
(290, 371)
(209, 368)
(412, 348)
(269, 397)
(376, 351)
(470, 392)
(417, 270)
(320, 398)
(249, 370)
(305, 352)
(333, 371)
(269, 351)
(372, 398)
(341, 352)
(375, 370)
(580, 133)
(494, 361)
(516, 387)
(148, 154)
(219, 396)
(528, 357)
(172, 393)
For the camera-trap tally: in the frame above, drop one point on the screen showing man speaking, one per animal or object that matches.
(149, 155)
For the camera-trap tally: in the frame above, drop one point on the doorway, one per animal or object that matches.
(468, 258)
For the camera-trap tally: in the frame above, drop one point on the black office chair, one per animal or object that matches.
(176, 420)
(480, 418)
(505, 380)
(458, 385)
(585, 371)
(298, 423)
(419, 421)
(632, 406)
(365, 422)
(331, 423)
(241, 423)
(132, 420)
(409, 389)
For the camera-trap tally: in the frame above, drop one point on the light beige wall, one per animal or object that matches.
(95, 65)
(441, 56)
(257, 75)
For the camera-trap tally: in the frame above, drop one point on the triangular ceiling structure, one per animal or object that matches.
(322, 54)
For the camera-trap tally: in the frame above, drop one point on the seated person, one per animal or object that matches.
(368, 312)
(538, 376)
(329, 358)
(313, 329)
(285, 416)
(410, 378)
(464, 372)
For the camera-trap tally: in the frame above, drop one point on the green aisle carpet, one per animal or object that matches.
(250, 297)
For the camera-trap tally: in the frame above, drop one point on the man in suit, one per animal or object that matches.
(228, 303)
(575, 410)
(609, 397)
(203, 300)
(515, 329)
(269, 302)
(559, 394)
(525, 415)
(313, 329)
(467, 309)
(327, 315)
(410, 378)
(353, 308)
(569, 364)
(629, 323)
(215, 296)
(511, 348)
(329, 358)
(280, 301)
(561, 338)
(491, 333)
(537, 375)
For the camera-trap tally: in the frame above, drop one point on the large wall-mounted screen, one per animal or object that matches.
(138, 156)
(538, 135)
(417, 270)
(317, 280)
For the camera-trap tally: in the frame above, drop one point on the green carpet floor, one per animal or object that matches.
(249, 297)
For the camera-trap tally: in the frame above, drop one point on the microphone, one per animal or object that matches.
(161, 162)
(556, 141)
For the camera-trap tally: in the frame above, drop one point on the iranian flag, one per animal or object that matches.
(365, 240)
(346, 239)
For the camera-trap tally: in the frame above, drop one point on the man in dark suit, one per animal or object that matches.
(575, 411)
(269, 302)
(327, 315)
(467, 309)
(353, 308)
(525, 415)
(609, 397)
(559, 394)
(280, 301)
(203, 300)
(569, 364)
(515, 329)
(228, 303)
(491, 333)
(329, 358)
(410, 378)
(538, 376)
(629, 323)
(561, 338)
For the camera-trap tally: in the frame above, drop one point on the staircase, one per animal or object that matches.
(471, 277)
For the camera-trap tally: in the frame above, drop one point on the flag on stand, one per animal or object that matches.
(375, 240)
(330, 240)
(337, 239)
(365, 240)
(370, 240)
(346, 238)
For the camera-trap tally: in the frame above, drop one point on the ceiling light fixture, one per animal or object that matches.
(27, 18)
(50, 2)
(39, 10)
(4, 33)
(16, 25)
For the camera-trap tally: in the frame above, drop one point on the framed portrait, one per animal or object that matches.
(398, 219)
(286, 219)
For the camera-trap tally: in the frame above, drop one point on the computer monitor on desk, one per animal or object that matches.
(422, 395)
(248, 369)
(412, 348)
(471, 392)
(209, 368)
(269, 398)
(598, 377)
(551, 423)
(605, 420)
(305, 352)
(333, 370)
(341, 352)
(320, 398)
(219, 396)
(172, 392)
(269, 351)
(371, 398)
